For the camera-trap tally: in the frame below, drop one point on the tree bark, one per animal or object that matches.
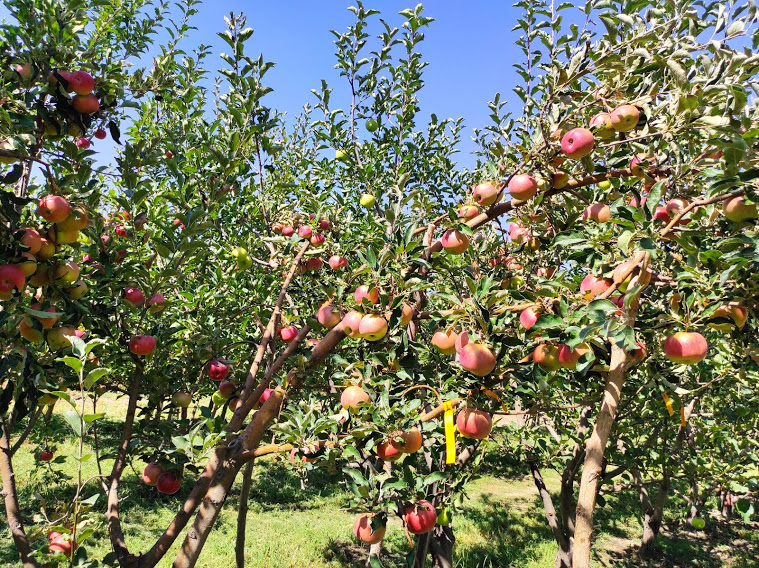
(242, 515)
(10, 496)
(566, 496)
(564, 552)
(441, 547)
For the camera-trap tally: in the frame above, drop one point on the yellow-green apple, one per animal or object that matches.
(336, 262)
(67, 272)
(372, 327)
(142, 344)
(601, 125)
(62, 237)
(352, 323)
(151, 473)
(367, 200)
(474, 423)
(53, 208)
(735, 311)
(546, 356)
(590, 287)
(364, 293)
(362, 527)
(57, 338)
(353, 396)
(604, 185)
(28, 332)
(444, 516)
(133, 296)
(168, 483)
(182, 399)
(329, 316)
(598, 212)
(454, 242)
(686, 347)
(559, 179)
(85, 104)
(625, 117)
(31, 239)
(737, 210)
(419, 517)
(41, 276)
(577, 143)
(523, 186)
(477, 359)
(569, 357)
(8, 145)
(27, 263)
(77, 220)
(445, 340)
(528, 317)
(47, 249)
(485, 194)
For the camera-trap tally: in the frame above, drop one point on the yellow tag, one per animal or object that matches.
(682, 416)
(494, 396)
(668, 403)
(450, 433)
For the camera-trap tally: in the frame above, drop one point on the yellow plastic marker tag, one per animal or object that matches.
(450, 433)
(682, 416)
(494, 396)
(668, 403)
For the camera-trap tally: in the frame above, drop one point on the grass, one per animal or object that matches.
(500, 525)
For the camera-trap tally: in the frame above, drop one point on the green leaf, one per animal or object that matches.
(74, 421)
(92, 417)
(374, 561)
(73, 362)
(94, 375)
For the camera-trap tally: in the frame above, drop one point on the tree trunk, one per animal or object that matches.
(441, 547)
(15, 522)
(242, 515)
(564, 551)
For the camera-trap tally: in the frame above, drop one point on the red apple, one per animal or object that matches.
(337, 262)
(28, 332)
(314, 263)
(168, 483)
(47, 323)
(546, 356)
(24, 70)
(305, 232)
(323, 225)
(56, 543)
(387, 452)
(142, 344)
(156, 303)
(445, 340)
(265, 395)
(528, 317)
(737, 210)
(518, 233)
(462, 340)
(523, 186)
(83, 143)
(569, 357)
(661, 214)
(420, 517)
(412, 440)
(486, 194)
(372, 327)
(625, 117)
(362, 528)
(44, 456)
(133, 297)
(151, 473)
(455, 242)
(352, 324)
(468, 211)
(67, 272)
(329, 316)
(12, 277)
(364, 293)
(477, 359)
(640, 165)
(288, 333)
(577, 143)
(85, 104)
(80, 82)
(226, 389)
(353, 396)
(686, 347)
(601, 125)
(31, 239)
(53, 208)
(598, 212)
(288, 231)
(407, 314)
(317, 239)
(473, 423)
(100, 134)
(590, 287)
(735, 311)
(217, 370)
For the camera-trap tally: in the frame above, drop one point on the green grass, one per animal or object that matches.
(500, 525)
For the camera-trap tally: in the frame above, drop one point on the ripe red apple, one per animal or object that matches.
(47, 323)
(323, 225)
(305, 232)
(420, 517)
(364, 293)
(182, 399)
(24, 70)
(468, 211)
(12, 277)
(217, 370)
(53, 208)
(352, 324)
(329, 316)
(528, 317)
(100, 134)
(227, 388)
(546, 356)
(598, 212)
(577, 143)
(544, 272)
(412, 440)
(590, 287)
(362, 528)
(661, 214)
(643, 279)
(156, 303)
(151, 473)
(625, 117)
(486, 194)
(523, 186)
(314, 263)
(445, 340)
(83, 143)
(80, 82)
(353, 396)
(602, 126)
(85, 104)
(372, 327)
(288, 333)
(168, 483)
(265, 395)
(387, 452)
(477, 359)
(288, 231)
(569, 357)
(133, 297)
(28, 332)
(56, 543)
(44, 456)
(455, 242)
(737, 210)
(142, 344)
(57, 338)
(462, 340)
(473, 423)
(676, 205)
(317, 239)
(31, 239)
(337, 262)
(686, 347)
